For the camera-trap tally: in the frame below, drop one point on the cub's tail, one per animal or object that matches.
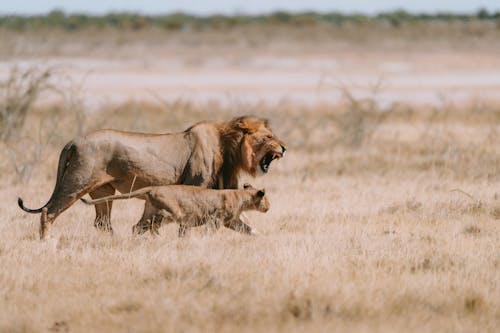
(136, 194)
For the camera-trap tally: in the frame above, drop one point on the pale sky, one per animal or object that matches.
(203, 7)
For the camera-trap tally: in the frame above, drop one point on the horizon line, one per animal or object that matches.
(250, 14)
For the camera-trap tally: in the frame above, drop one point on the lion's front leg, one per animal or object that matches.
(239, 225)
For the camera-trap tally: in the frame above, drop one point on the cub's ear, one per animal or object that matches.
(261, 193)
(247, 186)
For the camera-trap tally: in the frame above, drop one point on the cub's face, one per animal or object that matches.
(261, 202)
(259, 198)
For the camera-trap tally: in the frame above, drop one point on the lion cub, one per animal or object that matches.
(191, 206)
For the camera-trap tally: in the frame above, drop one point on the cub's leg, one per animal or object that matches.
(183, 229)
(144, 223)
(238, 225)
(162, 217)
(241, 225)
(172, 213)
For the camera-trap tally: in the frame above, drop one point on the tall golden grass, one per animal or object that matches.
(382, 219)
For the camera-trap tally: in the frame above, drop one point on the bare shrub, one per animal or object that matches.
(356, 119)
(17, 95)
(25, 155)
(360, 120)
(28, 131)
(73, 103)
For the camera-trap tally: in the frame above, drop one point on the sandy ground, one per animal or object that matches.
(411, 77)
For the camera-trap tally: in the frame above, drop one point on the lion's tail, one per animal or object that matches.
(135, 194)
(64, 159)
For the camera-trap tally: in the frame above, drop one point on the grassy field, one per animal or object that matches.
(383, 218)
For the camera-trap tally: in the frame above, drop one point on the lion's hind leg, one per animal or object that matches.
(103, 211)
(44, 223)
(61, 201)
(78, 179)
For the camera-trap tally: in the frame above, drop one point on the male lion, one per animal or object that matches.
(207, 154)
(191, 206)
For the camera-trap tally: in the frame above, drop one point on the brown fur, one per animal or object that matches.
(208, 154)
(192, 206)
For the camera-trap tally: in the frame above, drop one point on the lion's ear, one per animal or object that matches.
(247, 186)
(265, 121)
(242, 124)
(249, 125)
(261, 193)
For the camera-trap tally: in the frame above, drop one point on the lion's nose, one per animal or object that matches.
(283, 149)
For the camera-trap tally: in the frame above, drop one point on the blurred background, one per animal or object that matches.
(67, 68)
(415, 51)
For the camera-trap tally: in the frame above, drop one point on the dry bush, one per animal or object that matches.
(366, 138)
(28, 131)
(19, 92)
(17, 95)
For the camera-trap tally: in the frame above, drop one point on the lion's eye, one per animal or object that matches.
(269, 136)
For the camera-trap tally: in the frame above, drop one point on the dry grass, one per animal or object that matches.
(380, 220)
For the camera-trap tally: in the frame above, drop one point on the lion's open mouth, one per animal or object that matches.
(265, 162)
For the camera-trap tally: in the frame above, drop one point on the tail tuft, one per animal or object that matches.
(33, 211)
